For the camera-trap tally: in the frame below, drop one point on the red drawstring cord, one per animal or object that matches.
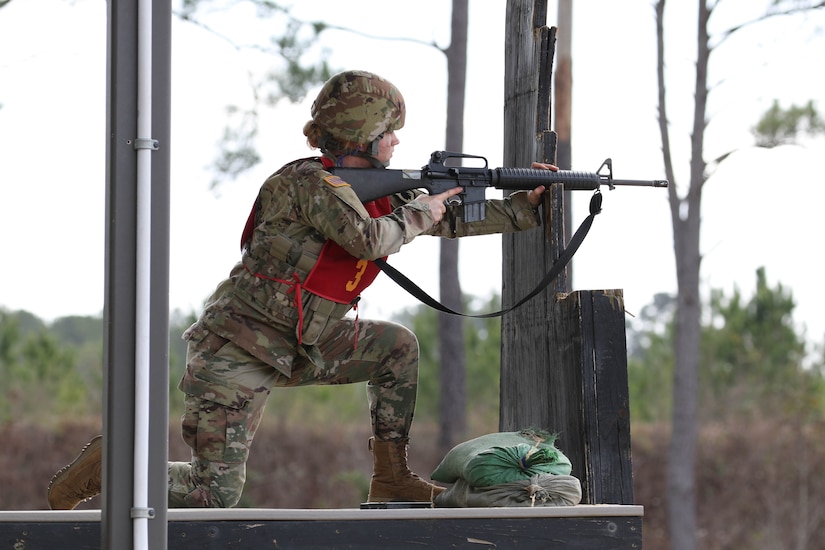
(355, 340)
(299, 303)
(295, 287)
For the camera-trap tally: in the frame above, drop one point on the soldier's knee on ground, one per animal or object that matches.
(225, 497)
(191, 491)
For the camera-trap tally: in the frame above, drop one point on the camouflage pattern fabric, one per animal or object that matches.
(245, 342)
(358, 106)
(226, 390)
(297, 210)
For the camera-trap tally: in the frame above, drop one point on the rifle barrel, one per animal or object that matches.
(640, 183)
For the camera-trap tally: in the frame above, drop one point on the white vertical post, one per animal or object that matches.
(144, 145)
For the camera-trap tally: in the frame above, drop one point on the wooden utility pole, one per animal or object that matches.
(564, 358)
(563, 95)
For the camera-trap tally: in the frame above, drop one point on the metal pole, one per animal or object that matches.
(120, 279)
(159, 328)
(123, 347)
(144, 145)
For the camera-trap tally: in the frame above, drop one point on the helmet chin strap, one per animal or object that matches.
(374, 161)
(370, 154)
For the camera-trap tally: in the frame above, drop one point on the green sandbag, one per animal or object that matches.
(541, 490)
(502, 457)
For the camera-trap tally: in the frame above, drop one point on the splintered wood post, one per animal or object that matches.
(564, 354)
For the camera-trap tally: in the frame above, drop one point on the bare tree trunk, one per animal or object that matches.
(685, 216)
(453, 396)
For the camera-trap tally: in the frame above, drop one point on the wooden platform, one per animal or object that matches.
(602, 527)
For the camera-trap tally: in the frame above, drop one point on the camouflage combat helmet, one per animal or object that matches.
(358, 107)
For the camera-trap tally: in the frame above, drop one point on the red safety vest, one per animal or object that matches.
(337, 275)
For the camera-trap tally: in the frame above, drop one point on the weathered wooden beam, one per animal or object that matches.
(580, 392)
(564, 356)
(602, 527)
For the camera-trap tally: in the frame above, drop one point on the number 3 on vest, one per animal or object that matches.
(361, 266)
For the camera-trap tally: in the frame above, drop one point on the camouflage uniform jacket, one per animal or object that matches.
(296, 211)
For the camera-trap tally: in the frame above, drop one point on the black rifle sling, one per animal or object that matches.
(558, 265)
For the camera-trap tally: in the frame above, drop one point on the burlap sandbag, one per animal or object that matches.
(541, 490)
(502, 457)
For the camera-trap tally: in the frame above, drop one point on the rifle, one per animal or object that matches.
(437, 177)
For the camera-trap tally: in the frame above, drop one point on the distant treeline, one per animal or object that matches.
(753, 360)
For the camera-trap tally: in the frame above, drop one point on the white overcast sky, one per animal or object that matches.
(761, 208)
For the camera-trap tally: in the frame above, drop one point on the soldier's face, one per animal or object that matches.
(386, 147)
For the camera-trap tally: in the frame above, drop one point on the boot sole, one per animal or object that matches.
(93, 445)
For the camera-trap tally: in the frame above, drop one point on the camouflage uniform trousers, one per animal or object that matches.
(220, 424)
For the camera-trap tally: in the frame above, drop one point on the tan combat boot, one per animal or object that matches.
(80, 480)
(392, 480)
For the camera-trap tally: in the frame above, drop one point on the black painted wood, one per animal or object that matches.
(603, 533)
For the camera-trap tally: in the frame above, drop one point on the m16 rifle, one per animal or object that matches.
(439, 175)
